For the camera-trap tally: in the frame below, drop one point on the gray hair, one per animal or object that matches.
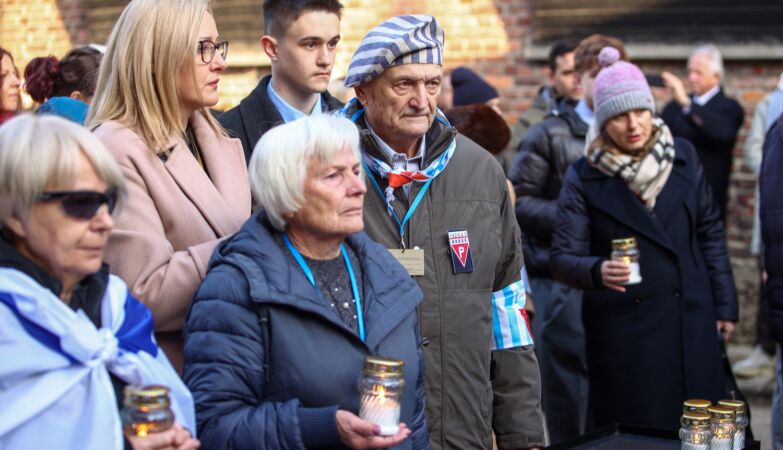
(279, 163)
(40, 151)
(713, 56)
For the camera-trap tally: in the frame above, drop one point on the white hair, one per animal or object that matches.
(279, 163)
(40, 151)
(713, 56)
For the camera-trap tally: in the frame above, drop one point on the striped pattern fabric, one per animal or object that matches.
(510, 324)
(409, 39)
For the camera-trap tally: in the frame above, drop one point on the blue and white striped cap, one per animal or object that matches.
(411, 39)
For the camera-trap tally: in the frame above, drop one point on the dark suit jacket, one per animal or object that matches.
(771, 213)
(256, 114)
(712, 129)
(656, 344)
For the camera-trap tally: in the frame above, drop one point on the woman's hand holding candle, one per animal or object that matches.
(360, 434)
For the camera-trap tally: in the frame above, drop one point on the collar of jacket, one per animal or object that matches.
(437, 139)
(390, 295)
(575, 123)
(259, 114)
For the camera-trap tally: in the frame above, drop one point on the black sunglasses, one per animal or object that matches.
(82, 204)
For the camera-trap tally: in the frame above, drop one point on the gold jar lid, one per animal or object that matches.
(378, 366)
(625, 243)
(736, 405)
(696, 404)
(696, 419)
(721, 413)
(150, 396)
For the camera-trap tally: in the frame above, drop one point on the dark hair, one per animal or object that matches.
(279, 14)
(4, 52)
(77, 71)
(557, 50)
(586, 53)
(482, 124)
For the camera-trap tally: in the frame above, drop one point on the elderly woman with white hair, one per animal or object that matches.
(294, 302)
(71, 337)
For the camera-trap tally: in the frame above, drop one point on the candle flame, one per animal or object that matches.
(380, 391)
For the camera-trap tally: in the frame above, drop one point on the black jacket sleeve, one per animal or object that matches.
(530, 175)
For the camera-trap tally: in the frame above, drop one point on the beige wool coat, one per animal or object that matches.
(175, 214)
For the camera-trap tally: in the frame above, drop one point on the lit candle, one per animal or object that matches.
(381, 386)
(382, 410)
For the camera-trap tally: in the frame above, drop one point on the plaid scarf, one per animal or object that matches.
(646, 172)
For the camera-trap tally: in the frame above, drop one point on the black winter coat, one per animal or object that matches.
(771, 213)
(655, 345)
(546, 152)
(712, 128)
(256, 114)
(269, 362)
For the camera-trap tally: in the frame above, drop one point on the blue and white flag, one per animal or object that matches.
(510, 324)
(55, 388)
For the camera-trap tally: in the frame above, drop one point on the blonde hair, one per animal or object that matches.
(280, 159)
(137, 83)
(40, 151)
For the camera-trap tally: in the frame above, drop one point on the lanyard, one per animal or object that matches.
(309, 274)
(412, 208)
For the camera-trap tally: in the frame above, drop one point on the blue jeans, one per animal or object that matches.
(777, 405)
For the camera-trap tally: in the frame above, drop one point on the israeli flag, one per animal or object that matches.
(55, 389)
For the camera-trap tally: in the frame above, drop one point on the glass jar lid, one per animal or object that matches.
(696, 419)
(696, 404)
(378, 366)
(625, 243)
(720, 413)
(150, 396)
(737, 405)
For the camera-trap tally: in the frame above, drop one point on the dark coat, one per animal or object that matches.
(547, 150)
(712, 128)
(269, 362)
(655, 345)
(771, 213)
(256, 114)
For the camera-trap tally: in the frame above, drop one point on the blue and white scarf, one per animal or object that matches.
(55, 388)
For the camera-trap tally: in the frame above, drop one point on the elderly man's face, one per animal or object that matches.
(700, 75)
(334, 196)
(67, 248)
(400, 104)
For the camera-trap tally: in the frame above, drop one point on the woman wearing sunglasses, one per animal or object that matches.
(187, 181)
(71, 338)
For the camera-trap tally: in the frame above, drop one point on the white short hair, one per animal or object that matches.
(279, 163)
(38, 151)
(713, 56)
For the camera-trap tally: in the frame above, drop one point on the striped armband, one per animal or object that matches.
(510, 324)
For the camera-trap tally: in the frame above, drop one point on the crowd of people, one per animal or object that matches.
(251, 260)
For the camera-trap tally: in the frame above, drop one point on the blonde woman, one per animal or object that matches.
(187, 181)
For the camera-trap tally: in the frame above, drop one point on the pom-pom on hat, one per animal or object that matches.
(619, 87)
(411, 39)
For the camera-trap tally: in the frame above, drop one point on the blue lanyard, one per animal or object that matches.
(412, 208)
(309, 274)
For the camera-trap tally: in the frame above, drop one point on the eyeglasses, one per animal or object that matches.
(82, 204)
(207, 50)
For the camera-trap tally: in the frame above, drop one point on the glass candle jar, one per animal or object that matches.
(740, 420)
(695, 432)
(147, 410)
(625, 250)
(696, 405)
(381, 386)
(723, 428)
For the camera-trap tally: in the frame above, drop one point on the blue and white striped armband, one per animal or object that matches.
(510, 324)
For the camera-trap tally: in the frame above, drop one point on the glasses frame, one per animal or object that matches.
(208, 47)
(70, 200)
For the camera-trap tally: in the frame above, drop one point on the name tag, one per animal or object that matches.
(412, 260)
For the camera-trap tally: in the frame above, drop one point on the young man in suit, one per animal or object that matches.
(300, 38)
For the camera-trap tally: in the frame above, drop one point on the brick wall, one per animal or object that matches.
(488, 35)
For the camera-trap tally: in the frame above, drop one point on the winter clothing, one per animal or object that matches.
(771, 208)
(256, 114)
(470, 88)
(173, 218)
(408, 39)
(269, 362)
(545, 154)
(470, 389)
(712, 129)
(656, 344)
(619, 87)
(71, 109)
(544, 103)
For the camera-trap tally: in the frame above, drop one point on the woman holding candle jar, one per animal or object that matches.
(296, 301)
(652, 341)
(71, 337)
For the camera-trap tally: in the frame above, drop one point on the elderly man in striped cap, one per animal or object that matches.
(440, 205)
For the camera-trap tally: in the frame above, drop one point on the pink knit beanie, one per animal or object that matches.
(619, 87)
